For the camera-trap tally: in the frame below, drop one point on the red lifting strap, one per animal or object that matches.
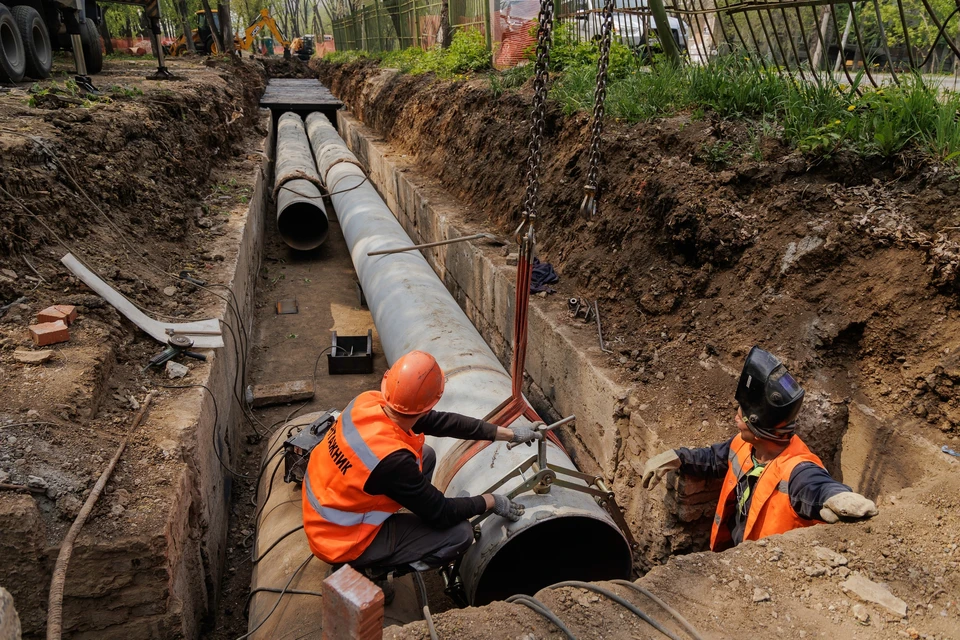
(516, 405)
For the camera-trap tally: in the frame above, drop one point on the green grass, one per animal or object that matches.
(816, 116)
(467, 53)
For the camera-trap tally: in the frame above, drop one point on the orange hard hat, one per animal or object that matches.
(414, 383)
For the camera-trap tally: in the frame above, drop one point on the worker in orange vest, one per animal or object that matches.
(373, 462)
(772, 482)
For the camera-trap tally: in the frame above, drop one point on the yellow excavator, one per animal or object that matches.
(204, 41)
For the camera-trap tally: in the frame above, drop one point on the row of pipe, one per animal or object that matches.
(563, 535)
(301, 217)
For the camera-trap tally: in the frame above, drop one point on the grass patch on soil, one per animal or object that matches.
(816, 115)
(467, 53)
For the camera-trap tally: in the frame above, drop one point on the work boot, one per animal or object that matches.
(386, 585)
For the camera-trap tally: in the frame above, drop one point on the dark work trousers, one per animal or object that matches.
(405, 538)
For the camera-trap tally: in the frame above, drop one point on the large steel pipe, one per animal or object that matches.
(413, 310)
(301, 216)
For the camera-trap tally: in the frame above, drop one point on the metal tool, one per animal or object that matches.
(596, 314)
(176, 345)
(185, 275)
(580, 308)
(478, 236)
(545, 475)
(950, 452)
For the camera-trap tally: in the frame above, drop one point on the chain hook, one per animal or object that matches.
(588, 208)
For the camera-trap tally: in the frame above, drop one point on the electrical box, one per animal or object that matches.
(351, 354)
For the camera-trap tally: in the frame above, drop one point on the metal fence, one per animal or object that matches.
(389, 25)
(878, 38)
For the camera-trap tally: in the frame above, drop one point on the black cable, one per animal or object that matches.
(535, 605)
(624, 603)
(279, 598)
(290, 592)
(426, 605)
(663, 605)
(216, 424)
(254, 560)
(266, 498)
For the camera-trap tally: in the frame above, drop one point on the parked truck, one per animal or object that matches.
(30, 30)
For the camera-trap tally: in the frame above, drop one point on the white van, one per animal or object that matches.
(632, 24)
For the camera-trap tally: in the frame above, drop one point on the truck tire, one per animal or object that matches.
(36, 41)
(13, 62)
(92, 51)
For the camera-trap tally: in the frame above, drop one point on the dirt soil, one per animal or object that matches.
(846, 268)
(140, 182)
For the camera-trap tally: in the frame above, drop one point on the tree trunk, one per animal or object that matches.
(185, 25)
(226, 27)
(212, 23)
(445, 34)
(105, 33)
(821, 40)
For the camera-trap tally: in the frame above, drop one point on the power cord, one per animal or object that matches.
(279, 598)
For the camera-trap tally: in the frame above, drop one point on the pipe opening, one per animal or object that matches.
(302, 225)
(571, 548)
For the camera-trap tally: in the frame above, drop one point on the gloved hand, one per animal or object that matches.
(504, 506)
(657, 467)
(847, 505)
(523, 434)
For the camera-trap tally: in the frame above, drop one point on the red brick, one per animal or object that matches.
(65, 312)
(49, 333)
(352, 607)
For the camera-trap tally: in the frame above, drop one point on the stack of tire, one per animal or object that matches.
(26, 49)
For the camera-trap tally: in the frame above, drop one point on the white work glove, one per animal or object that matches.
(847, 505)
(526, 434)
(657, 467)
(507, 508)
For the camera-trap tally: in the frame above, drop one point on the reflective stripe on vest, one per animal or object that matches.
(343, 518)
(355, 440)
(770, 510)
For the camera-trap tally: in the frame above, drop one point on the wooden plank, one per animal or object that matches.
(286, 93)
(281, 393)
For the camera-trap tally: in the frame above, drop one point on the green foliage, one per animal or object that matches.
(717, 155)
(345, 57)
(467, 53)
(568, 53)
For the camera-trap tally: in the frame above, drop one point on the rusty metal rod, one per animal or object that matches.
(427, 245)
(55, 601)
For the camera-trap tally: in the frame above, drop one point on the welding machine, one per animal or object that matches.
(297, 448)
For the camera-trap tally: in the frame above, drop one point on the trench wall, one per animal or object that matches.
(562, 377)
(159, 577)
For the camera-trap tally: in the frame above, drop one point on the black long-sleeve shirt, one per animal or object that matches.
(398, 476)
(808, 488)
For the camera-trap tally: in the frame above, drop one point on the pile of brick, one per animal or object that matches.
(53, 325)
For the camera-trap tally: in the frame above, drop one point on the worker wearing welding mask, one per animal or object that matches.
(373, 462)
(772, 482)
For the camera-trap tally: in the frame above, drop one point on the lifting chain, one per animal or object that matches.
(537, 119)
(588, 208)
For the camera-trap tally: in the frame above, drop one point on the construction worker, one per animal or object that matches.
(373, 462)
(772, 482)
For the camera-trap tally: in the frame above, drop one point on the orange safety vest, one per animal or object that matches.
(770, 511)
(339, 517)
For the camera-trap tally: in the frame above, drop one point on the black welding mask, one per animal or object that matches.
(768, 396)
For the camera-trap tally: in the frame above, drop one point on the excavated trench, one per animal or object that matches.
(621, 421)
(683, 292)
(880, 385)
